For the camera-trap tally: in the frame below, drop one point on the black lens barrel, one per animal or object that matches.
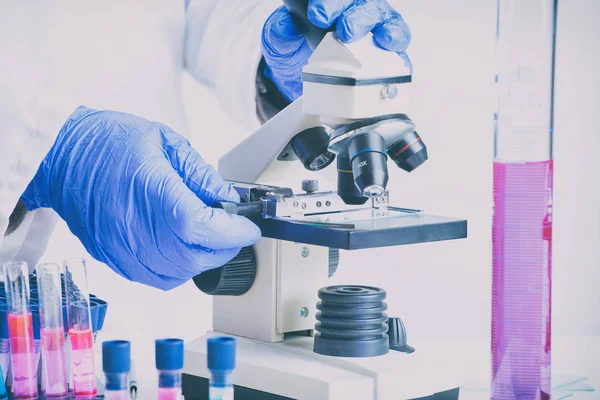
(346, 188)
(409, 152)
(369, 163)
(310, 147)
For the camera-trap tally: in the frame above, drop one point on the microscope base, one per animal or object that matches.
(291, 370)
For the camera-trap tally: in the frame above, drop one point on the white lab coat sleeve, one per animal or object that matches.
(32, 113)
(30, 119)
(223, 50)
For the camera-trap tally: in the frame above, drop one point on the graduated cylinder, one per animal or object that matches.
(522, 223)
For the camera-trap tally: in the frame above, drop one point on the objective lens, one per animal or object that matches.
(374, 191)
(369, 163)
(346, 188)
(409, 152)
(310, 147)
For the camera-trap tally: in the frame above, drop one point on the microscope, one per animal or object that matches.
(297, 336)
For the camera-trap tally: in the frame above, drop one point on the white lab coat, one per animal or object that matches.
(119, 55)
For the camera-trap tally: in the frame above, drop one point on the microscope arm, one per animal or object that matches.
(263, 149)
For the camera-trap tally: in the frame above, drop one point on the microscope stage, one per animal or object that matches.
(357, 230)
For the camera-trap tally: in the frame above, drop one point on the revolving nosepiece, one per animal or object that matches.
(369, 163)
(409, 152)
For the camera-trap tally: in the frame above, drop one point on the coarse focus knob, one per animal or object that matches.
(233, 279)
(310, 186)
(351, 322)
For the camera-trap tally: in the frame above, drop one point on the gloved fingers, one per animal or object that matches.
(324, 13)
(201, 260)
(361, 19)
(195, 224)
(393, 35)
(281, 38)
(407, 61)
(200, 177)
(186, 261)
(286, 52)
(215, 229)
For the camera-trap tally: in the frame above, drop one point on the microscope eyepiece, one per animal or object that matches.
(310, 146)
(409, 152)
(369, 163)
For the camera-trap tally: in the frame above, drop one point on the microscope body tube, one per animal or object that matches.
(81, 339)
(20, 329)
(54, 361)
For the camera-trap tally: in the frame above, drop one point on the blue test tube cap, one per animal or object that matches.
(221, 353)
(169, 354)
(116, 356)
(94, 309)
(102, 308)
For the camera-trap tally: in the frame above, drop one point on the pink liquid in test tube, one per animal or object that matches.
(54, 363)
(83, 371)
(169, 393)
(522, 258)
(20, 331)
(82, 362)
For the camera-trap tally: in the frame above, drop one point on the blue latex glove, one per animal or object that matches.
(286, 52)
(138, 197)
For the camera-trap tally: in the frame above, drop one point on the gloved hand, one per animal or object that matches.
(138, 197)
(286, 52)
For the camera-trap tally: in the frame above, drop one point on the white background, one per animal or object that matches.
(442, 289)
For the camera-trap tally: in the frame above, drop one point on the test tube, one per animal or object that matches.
(221, 363)
(169, 362)
(20, 330)
(116, 363)
(83, 370)
(54, 362)
(4, 343)
(3, 392)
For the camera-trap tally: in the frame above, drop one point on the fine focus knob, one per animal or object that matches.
(397, 336)
(310, 186)
(334, 261)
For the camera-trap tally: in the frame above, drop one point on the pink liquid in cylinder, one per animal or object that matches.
(82, 363)
(521, 293)
(54, 363)
(20, 329)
